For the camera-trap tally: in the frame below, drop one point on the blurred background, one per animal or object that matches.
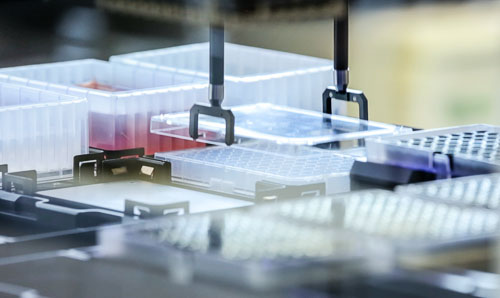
(421, 63)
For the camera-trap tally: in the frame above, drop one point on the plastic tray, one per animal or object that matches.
(276, 124)
(33, 224)
(261, 252)
(472, 148)
(113, 196)
(481, 191)
(122, 98)
(69, 217)
(41, 130)
(252, 75)
(238, 170)
(411, 223)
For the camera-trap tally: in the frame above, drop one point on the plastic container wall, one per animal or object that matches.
(41, 130)
(252, 75)
(122, 98)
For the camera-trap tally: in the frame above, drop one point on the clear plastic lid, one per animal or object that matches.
(278, 124)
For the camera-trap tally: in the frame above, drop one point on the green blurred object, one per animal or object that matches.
(466, 107)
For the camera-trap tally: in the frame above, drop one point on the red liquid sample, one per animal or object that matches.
(97, 86)
(116, 132)
(130, 131)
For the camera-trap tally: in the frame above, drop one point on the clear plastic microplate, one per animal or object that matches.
(423, 233)
(251, 250)
(410, 222)
(454, 151)
(238, 170)
(481, 191)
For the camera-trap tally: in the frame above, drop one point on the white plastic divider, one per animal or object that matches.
(41, 130)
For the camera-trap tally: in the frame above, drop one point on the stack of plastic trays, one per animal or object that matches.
(272, 144)
(41, 130)
(255, 251)
(454, 151)
(240, 170)
(252, 75)
(481, 191)
(413, 224)
(122, 98)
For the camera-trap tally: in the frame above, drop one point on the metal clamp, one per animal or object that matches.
(123, 153)
(88, 167)
(216, 88)
(3, 169)
(442, 165)
(214, 111)
(350, 95)
(20, 182)
(144, 210)
(341, 79)
(266, 191)
(146, 169)
(216, 94)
